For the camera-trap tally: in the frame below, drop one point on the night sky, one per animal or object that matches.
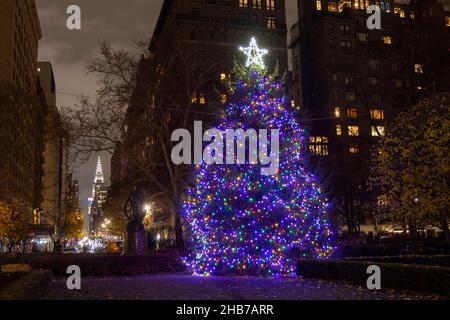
(118, 21)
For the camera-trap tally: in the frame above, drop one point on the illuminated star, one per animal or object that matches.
(254, 54)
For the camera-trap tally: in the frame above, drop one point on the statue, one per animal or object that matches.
(135, 237)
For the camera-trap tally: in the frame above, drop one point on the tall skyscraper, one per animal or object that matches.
(352, 81)
(99, 192)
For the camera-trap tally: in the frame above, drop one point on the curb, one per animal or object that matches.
(29, 287)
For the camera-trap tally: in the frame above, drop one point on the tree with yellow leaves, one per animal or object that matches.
(410, 167)
(13, 227)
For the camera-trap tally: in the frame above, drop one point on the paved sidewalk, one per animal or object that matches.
(183, 287)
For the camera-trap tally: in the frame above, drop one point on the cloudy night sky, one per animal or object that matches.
(118, 21)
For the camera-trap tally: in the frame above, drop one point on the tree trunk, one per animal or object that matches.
(57, 247)
(179, 238)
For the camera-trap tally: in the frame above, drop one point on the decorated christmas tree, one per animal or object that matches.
(240, 220)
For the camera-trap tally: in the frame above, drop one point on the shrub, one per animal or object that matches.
(396, 276)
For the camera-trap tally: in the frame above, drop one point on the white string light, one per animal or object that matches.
(254, 54)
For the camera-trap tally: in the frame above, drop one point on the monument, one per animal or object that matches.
(135, 236)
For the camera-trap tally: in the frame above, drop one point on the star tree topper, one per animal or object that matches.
(254, 54)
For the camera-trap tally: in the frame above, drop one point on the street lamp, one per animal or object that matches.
(147, 208)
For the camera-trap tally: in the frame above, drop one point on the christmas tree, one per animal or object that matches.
(240, 221)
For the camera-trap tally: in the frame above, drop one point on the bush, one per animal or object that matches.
(396, 248)
(442, 261)
(421, 278)
(111, 265)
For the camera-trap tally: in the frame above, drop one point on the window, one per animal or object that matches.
(353, 131)
(339, 130)
(330, 28)
(412, 15)
(354, 148)
(350, 96)
(257, 4)
(399, 11)
(318, 146)
(271, 23)
(398, 83)
(270, 5)
(337, 112)
(332, 7)
(389, 40)
(418, 68)
(362, 36)
(334, 77)
(332, 45)
(395, 66)
(319, 5)
(346, 44)
(223, 98)
(352, 113)
(377, 131)
(377, 114)
(447, 21)
(374, 65)
(223, 76)
(344, 29)
(372, 81)
(243, 3)
(349, 80)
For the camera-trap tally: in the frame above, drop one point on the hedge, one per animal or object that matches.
(111, 265)
(430, 279)
(438, 260)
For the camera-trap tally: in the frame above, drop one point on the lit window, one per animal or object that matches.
(271, 23)
(337, 112)
(339, 130)
(332, 7)
(412, 15)
(418, 68)
(319, 5)
(382, 200)
(377, 114)
(257, 4)
(447, 21)
(399, 11)
(388, 40)
(353, 131)
(243, 3)
(352, 113)
(318, 146)
(223, 98)
(377, 131)
(223, 76)
(270, 5)
(354, 148)
(202, 100)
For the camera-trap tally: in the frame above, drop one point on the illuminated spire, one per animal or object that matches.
(99, 171)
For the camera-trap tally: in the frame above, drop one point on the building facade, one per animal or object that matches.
(190, 54)
(351, 81)
(22, 106)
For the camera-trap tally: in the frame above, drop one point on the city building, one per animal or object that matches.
(351, 81)
(190, 55)
(23, 107)
(56, 179)
(97, 200)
